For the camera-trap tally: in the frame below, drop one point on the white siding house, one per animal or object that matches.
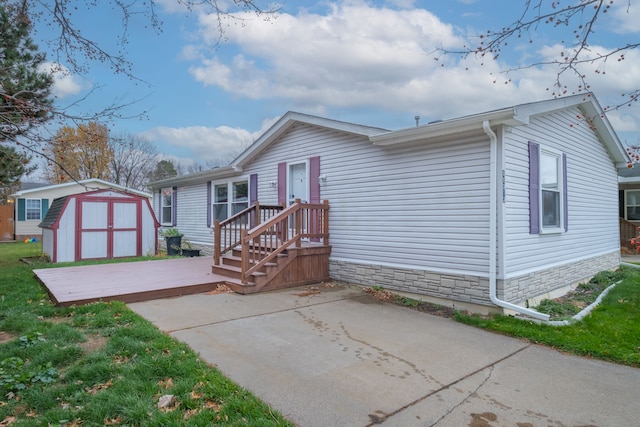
(488, 210)
(31, 205)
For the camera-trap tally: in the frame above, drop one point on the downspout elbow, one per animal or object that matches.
(493, 230)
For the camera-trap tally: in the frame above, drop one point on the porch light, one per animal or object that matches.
(322, 178)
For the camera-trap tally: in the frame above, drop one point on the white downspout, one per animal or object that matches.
(493, 229)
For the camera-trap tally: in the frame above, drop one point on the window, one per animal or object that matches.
(550, 189)
(33, 209)
(166, 207)
(548, 211)
(240, 196)
(633, 205)
(220, 201)
(224, 207)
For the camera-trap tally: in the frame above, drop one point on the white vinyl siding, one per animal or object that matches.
(192, 213)
(591, 188)
(423, 206)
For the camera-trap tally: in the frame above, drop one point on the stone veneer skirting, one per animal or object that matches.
(458, 287)
(529, 286)
(472, 289)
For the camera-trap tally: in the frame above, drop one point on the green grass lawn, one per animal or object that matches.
(610, 332)
(101, 364)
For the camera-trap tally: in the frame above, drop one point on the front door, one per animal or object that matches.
(108, 229)
(298, 182)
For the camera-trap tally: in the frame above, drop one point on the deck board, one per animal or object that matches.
(129, 281)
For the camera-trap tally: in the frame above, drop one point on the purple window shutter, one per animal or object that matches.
(314, 193)
(314, 180)
(174, 206)
(160, 204)
(534, 188)
(282, 183)
(209, 204)
(565, 196)
(253, 188)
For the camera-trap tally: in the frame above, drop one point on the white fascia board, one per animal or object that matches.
(509, 116)
(193, 178)
(82, 182)
(629, 179)
(606, 133)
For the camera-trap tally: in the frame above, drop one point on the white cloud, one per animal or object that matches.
(360, 56)
(207, 143)
(627, 16)
(353, 56)
(64, 83)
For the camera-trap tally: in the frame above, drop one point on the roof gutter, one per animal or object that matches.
(493, 230)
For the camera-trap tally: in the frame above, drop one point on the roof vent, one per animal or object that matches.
(417, 120)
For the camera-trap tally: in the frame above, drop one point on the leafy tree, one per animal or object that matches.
(132, 161)
(24, 90)
(13, 165)
(579, 58)
(82, 153)
(164, 169)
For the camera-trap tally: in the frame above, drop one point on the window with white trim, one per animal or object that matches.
(220, 201)
(632, 205)
(550, 190)
(224, 206)
(166, 207)
(33, 209)
(548, 200)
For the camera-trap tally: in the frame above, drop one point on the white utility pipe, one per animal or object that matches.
(493, 229)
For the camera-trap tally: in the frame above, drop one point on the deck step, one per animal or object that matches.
(236, 261)
(233, 271)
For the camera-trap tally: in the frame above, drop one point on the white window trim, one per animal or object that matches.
(229, 182)
(558, 155)
(26, 210)
(164, 222)
(626, 204)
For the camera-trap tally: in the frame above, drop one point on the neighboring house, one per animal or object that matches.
(484, 211)
(99, 224)
(31, 205)
(629, 203)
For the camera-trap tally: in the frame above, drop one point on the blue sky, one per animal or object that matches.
(368, 62)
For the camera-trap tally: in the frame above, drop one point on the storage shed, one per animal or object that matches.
(97, 225)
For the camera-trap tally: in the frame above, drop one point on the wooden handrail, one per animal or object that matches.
(227, 234)
(263, 243)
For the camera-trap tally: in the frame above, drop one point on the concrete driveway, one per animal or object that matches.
(341, 358)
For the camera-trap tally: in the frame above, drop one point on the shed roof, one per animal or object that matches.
(54, 212)
(86, 183)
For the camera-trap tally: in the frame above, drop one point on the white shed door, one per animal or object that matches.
(109, 229)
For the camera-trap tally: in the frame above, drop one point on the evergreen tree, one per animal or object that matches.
(164, 169)
(24, 89)
(12, 166)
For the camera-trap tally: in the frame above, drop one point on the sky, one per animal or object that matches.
(202, 99)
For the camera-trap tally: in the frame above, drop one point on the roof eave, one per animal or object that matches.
(509, 116)
(193, 178)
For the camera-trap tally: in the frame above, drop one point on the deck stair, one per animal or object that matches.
(271, 247)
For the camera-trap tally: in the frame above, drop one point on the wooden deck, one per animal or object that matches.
(130, 281)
